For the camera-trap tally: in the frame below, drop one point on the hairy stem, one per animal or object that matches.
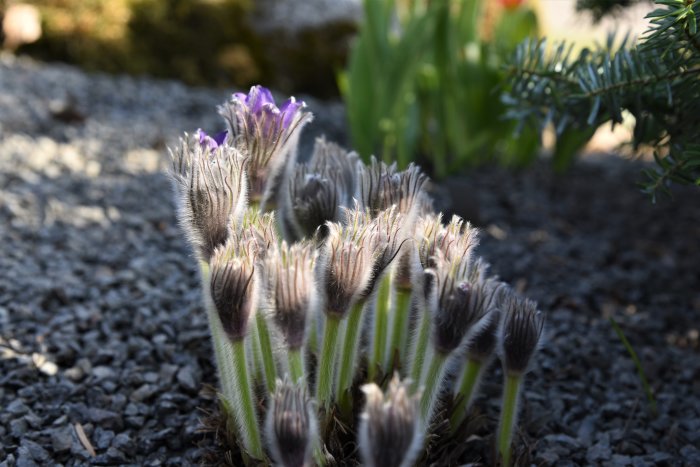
(467, 390)
(431, 387)
(223, 365)
(324, 377)
(349, 353)
(245, 409)
(381, 313)
(508, 414)
(400, 324)
(268, 359)
(419, 348)
(296, 366)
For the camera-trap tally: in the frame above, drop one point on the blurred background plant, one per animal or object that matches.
(232, 43)
(654, 81)
(424, 78)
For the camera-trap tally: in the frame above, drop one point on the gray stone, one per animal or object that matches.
(61, 439)
(17, 407)
(143, 393)
(105, 418)
(599, 453)
(186, 378)
(38, 453)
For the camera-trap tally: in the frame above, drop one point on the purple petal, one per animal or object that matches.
(258, 97)
(220, 138)
(241, 97)
(207, 141)
(289, 110)
(265, 95)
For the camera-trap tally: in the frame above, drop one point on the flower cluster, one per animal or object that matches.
(323, 276)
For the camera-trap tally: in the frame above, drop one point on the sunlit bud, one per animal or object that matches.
(211, 192)
(387, 234)
(382, 186)
(266, 134)
(454, 240)
(255, 234)
(291, 290)
(344, 265)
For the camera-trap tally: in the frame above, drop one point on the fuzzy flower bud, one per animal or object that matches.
(290, 426)
(291, 290)
(456, 303)
(521, 334)
(390, 432)
(454, 240)
(381, 186)
(319, 188)
(232, 289)
(483, 342)
(211, 192)
(387, 234)
(344, 263)
(266, 134)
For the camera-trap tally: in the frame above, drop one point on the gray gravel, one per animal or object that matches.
(104, 352)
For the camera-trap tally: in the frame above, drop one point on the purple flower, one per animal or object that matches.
(268, 135)
(211, 142)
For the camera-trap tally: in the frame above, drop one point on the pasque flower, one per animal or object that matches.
(344, 237)
(211, 192)
(520, 336)
(267, 135)
(291, 425)
(291, 293)
(391, 431)
(381, 186)
(318, 189)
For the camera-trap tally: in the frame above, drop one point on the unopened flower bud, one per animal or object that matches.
(291, 290)
(344, 263)
(290, 426)
(455, 303)
(232, 289)
(210, 186)
(522, 330)
(390, 432)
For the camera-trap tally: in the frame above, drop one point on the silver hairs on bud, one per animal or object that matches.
(211, 192)
(390, 432)
(290, 427)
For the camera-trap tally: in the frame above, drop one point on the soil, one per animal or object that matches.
(104, 350)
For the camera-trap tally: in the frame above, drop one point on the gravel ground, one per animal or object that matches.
(104, 355)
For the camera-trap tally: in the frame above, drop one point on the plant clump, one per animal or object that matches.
(327, 277)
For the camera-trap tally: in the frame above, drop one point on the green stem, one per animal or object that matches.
(419, 349)
(268, 358)
(431, 386)
(324, 377)
(313, 337)
(508, 414)
(256, 363)
(348, 355)
(467, 389)
(401, 314)
(380, 326)
(296, 366)
(218, 337)
(247, 418)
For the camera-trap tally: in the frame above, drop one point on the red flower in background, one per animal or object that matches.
(510, 4)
